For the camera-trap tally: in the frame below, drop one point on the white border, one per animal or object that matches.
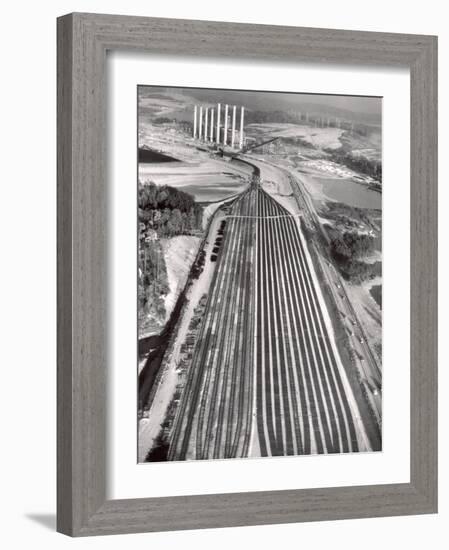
(126, 479)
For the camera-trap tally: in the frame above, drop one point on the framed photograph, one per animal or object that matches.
(247, 274)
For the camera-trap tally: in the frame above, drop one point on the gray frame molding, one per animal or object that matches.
(83, 40)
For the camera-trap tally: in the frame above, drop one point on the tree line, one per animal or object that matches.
(260, 117)
(152, 286)
(348, 249)
(369, 167)
(168, 211)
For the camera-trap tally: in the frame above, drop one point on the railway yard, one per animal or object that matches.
(264, 376)
(269, 351)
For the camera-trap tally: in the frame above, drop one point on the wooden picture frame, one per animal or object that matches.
(83, 41)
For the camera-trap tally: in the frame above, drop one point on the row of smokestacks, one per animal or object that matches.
(218, 125)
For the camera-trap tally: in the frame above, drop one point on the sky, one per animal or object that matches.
(361, 109)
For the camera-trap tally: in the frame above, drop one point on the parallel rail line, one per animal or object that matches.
(265, 365)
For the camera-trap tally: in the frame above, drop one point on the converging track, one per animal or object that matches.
(305, 404)
(265, 367)
(214, 416)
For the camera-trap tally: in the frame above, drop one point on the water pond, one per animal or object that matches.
(349, 192)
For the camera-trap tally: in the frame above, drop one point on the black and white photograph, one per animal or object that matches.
(259, 274)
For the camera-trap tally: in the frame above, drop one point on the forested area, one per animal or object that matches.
(162, 120)
(348, 250)
(163, 212)
(353, 245)
(260, 117)
(168, 211)
(298, 142)
(153, 286)
(369, 167)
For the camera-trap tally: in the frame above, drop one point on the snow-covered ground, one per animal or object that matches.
(321, 138)
(200, 173)
(198, 167)
(150, 427)
(179, 254)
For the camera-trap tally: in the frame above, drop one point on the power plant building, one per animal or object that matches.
(219, 125)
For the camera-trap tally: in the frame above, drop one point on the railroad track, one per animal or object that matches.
(189, 399)
(229, 259)
(214, 397)
(306, 371)
(265, 361)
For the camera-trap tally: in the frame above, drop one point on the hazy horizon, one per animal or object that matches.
(366, 109)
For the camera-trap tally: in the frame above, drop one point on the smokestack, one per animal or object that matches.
(211, 137)
(234, 109)
(205, 125)
(242, 117)
(218, 122)
(200, 123)
(225, 138)
(195, 112)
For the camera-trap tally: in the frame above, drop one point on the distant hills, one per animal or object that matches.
(365, 110)
(353, 108)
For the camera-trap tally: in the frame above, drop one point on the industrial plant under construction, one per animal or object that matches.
(259, 274)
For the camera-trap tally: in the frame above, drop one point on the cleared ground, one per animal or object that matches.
(180, 253)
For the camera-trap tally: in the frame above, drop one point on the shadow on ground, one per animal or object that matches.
(46, 520)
